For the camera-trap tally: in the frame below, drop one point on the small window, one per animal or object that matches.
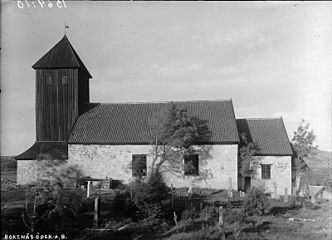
(49, 80)
(64, 80)
(266, 171)
(191, 163)
(139, 165)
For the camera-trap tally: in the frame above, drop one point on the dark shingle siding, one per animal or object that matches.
(45, 151)
(62, 55)
(270, 135)
(128, 123)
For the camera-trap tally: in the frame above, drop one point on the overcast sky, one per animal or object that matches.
(272, 59)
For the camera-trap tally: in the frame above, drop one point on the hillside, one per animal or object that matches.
(321, 160)
(320, 165)
(8, 163)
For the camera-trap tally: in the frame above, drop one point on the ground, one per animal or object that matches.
(283, 221)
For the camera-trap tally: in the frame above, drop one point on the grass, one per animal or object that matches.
(309, 224)
(8, 197)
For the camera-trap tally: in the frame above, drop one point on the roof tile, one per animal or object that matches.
(270, 135)
(128, 123)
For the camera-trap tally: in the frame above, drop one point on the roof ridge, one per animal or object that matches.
(168, 101)
(265, 118)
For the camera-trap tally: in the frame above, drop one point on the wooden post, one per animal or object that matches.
(88, 189)
(175, 219)
(172, 199)
(286, 195)
(221, 222)
(96, 215)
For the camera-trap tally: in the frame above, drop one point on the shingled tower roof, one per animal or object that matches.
(62, 55)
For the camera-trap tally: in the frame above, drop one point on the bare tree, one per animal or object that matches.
(53, 196)
(173, 133)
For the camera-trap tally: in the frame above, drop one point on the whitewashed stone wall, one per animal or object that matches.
(281, 175)
(114, 161)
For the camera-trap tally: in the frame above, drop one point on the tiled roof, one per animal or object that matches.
(128, 123)
(45, 151)
(269, 133)
(62, 55)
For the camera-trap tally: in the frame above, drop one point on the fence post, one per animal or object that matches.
(221, 222)
(175, 219)
(88, 189)
(172, 199)
(96, 215)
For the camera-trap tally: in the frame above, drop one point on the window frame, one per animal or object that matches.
(264, 169)
(195, 164)
(140, 172)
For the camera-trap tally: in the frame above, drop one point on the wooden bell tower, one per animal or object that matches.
(62, 88)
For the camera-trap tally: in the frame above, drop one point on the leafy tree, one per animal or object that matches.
(248, 162)
(303, 147)
(247, 152)
(173, 134)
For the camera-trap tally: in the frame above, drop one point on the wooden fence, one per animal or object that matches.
(179, 203)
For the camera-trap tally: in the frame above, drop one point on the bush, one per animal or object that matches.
(255, 203)
(233, 216)
(123, 206)
(152, 191)
(189, 214)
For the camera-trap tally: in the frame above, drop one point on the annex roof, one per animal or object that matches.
(128, 123)
(62, 55)
(269, 133)
(45, 151)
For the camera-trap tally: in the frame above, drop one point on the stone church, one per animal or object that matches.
(105, 140)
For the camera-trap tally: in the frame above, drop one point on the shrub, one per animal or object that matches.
(190, 213)
(232, 216)
(255, 203)
(152, 191)
(123, 206)
(208, 212)
(53, 203)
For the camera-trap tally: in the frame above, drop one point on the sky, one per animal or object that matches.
(273, 59)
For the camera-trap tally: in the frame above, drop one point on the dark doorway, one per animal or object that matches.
(247, 183)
